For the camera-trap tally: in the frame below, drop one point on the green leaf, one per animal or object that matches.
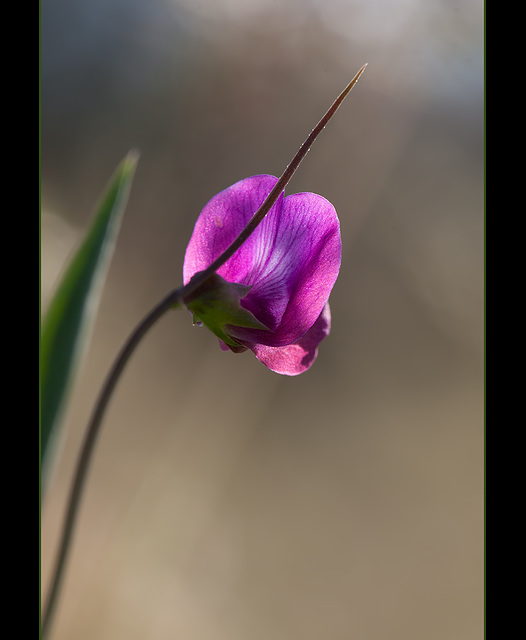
(72, 310)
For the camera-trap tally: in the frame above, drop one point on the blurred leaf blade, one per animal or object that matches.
(72, 310)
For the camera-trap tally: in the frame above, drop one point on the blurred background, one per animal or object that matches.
(225, 501)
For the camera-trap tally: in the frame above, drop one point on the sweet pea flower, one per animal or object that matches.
(271, 296)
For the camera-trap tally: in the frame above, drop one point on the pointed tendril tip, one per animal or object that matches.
(276, 191)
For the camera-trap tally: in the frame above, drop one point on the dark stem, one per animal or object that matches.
(88, 445)
(174, 298)
(199, 278)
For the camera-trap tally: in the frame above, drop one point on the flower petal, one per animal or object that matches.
(293, 284)
(222, 220)
(296, 358)
(291, 261)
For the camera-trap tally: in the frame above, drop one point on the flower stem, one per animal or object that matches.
(174, 298)
(92, 432)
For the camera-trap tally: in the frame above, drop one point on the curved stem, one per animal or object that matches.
(88, 445)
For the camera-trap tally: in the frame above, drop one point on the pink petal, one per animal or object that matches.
(222, 220)
(293, 284)
(296, 358)
(291, 260)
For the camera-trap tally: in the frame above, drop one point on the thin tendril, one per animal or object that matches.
(200, 277)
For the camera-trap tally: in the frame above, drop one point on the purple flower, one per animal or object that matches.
(287, 267)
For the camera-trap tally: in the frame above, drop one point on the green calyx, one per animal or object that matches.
(216, 303)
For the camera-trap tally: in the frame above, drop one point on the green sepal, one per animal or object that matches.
(216, 303)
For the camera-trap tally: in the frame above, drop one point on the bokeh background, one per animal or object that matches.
(225, 501)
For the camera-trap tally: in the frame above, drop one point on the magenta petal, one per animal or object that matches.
(290, 262)
(310, 233)
(222, 220)
(296, 358)
(292, 286)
